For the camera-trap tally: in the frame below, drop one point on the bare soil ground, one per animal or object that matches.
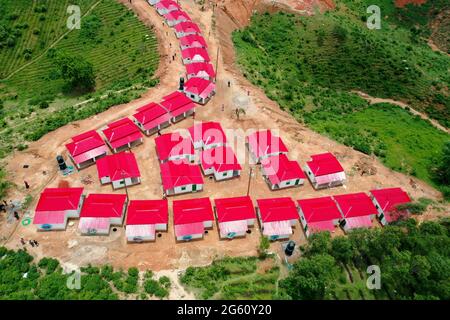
(165, 254)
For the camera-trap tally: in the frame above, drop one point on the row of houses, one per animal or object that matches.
(323, 170)
(234, 216)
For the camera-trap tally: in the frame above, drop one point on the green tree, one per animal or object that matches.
(76, 70)
(342, 249)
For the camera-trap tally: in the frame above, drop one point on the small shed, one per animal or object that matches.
(235, 216)
(325, 171)
(263, 144)
(192, 41)
(151, 118)
(202, 70)
(120, 169)
(86, 148)
(207, 135)
(175, 17)
(173, 146)
(276, 217)
(56, 206)
(191, 217)
(357, 209)
(100, 212)
(122, 135)
(180, 177)
(221, 162)
(178, 105)
(187, 28)
(280, 172)
(386, 202)
(199, 90)
(192, 55)
(145, 218)
(318, 214)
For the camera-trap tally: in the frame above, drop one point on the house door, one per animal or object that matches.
(194, 187)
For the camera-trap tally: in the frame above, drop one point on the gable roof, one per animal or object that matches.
(187, 27)
(193, 41)
(319, 209)
(279, 168)
(208, 132)
(86, 146)
(200, 87)
(173, 144)
(323, 164)
(147, 212)
(200, 69)
(118, 166)
(195, 53)
(390, 198)
(177, 103)
(98, 205)
(264, 142)
(355, 205)
(179, 174)
(59, 199)
(167, 4)
(192, 211)
(122, 132)
(177, 15)
(220, 158)
(234, 209)
(277, 209)
(151, 115)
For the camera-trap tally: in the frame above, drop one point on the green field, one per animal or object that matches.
(310, 65)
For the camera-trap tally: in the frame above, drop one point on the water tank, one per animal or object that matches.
(61, 163)
(290, 248)
(181, 83)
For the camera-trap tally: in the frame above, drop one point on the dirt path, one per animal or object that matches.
(261, 113)
(374, 100)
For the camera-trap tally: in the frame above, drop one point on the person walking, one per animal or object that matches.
(31, 243)
(27, 186)
(22, 241)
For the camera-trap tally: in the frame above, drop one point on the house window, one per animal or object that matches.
(288, 183)
(183, 188)
(297, 181)
(192, 96)
(225, 174)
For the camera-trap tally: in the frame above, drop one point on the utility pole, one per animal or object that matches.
(249, 180)
(217, 63)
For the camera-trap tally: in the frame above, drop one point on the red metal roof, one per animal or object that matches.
(200, 69)
(279, 168)
(118, 166)
(321, 226)
(49, 217)
(177, 103)
(264, 142)
(220, 158)
(189, 229)
(323, 164)
(234, 209)
(177, 15)
(192, 211)
(86, 146)
(207, 132)
(390, 198)
(199, 87)
(193, 41)
(167, 4)
(173, 144)
(187, 27)
(355, 205)
(151, 115)
(147, 212)
(319, 209)
(59, 199)
(99, 205)
(277, 209)
(122, 132)
(191, 53)
(179, 174)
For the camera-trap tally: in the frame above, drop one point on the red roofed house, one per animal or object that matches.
(151, 118)
(191, 217)
(175, 17)
(318, 214)
(192, 41)
(200, 70)
(357, 210)
(192, 55)
(187, 28)
(280, 172)
(221, 162)
(180, 177)
(235, 216)
(165, 6)
(122, 135)
(56, 206)
(207, 135)
(276, 217)
(100, 211)
(144, 218)
(173, 146)
(86, 148)
(386, 201)
(178, 105)
(325, 171)
(199, 90)
(120, 169)
(263, 144)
